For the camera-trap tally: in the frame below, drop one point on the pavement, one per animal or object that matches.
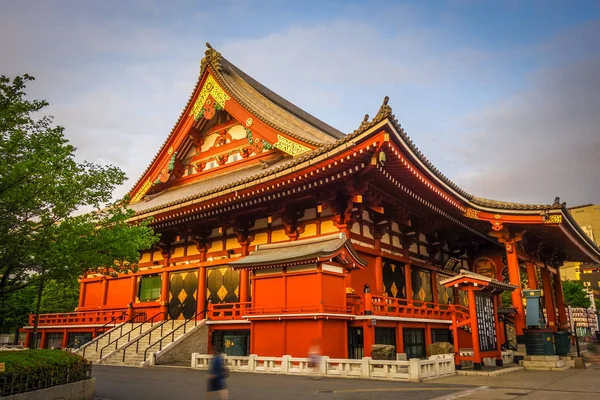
(577, 384)
(124, 383)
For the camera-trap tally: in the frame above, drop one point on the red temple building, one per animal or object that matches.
(277, 229)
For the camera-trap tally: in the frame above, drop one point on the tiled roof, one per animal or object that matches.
(385, 112)
(275, 109)
(272, 255)
(267, 105)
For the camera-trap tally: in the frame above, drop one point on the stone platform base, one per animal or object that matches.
(545, 363)
(496, 372)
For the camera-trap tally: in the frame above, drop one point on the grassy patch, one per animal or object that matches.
(30, 360)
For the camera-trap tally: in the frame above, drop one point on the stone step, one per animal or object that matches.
(548, 364)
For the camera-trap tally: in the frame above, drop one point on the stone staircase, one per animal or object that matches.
(161, 336)
(116, 337)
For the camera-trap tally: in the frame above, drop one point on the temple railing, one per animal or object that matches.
(226, 311)
(80, 318)
(394, 307)
(380, 306)
(308, 309)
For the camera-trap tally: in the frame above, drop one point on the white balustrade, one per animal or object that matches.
(413, 370)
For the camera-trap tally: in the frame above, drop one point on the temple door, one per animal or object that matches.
(183, 292)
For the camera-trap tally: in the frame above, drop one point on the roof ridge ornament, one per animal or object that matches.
(211, 57)
(385, 111)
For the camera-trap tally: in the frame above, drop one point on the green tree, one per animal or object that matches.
(575, 294)
(42, 186)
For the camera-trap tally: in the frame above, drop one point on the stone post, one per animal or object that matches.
(414, 370)
(285, 364)
(365, 368)
(251, 362)
(323, 365)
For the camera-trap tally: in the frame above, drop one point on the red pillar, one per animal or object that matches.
(434, 288)
(560, 303)
(548, 299)
(532, 275)
(514, 276)
(65, 338)
(428, 339)
(474, 331)
(496, 300)
(104, 291)
(368, 337)
(408, 282)
(42, 342)
(164, 292)
(378, 269)
(201, 300)
(244, 277)
(132, 296)
(81, 294)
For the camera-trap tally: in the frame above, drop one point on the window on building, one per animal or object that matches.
(440, 335)
(385, 336)
(54, 340)
(414, 342)
(355, 343)
(149, 288)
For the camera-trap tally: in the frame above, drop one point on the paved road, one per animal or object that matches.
(123, 383)
(532, 385)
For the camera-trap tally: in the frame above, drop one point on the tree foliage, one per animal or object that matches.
(57, 296)
(42, 186)
(575, 294)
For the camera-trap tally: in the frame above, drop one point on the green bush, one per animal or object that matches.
(28, 370)
(24, 360)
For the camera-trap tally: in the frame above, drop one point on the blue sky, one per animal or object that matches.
(503, 97)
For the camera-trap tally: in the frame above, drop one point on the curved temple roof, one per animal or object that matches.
(301, 251)
(288, 118)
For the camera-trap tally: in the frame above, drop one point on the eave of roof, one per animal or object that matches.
(316, 249)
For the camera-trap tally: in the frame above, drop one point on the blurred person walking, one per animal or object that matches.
(217, 373)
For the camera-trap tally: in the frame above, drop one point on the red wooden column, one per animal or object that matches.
(82, 288)
(434, 288)
(428, 339)
(201, 299)
(560, 303)
(378, 269)
(42, 342)
(368, 337)
(65, 338)
(132, 295)
(474, 331)
(496, 300)
(514, 276)
(532, 275)
(104, 291)
(548, 299)
(500, 325)
(244, 274)
(164, 292)
(408, 282)
(455, 339)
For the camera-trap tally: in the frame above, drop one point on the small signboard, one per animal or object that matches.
(486, 327)
(452, 264)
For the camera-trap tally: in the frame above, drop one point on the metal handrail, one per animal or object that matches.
(128, 333)
(172, 334)
(95, 331)
(149, 334)
(120, 327)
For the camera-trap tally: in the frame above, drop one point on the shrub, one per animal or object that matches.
(28, 370)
